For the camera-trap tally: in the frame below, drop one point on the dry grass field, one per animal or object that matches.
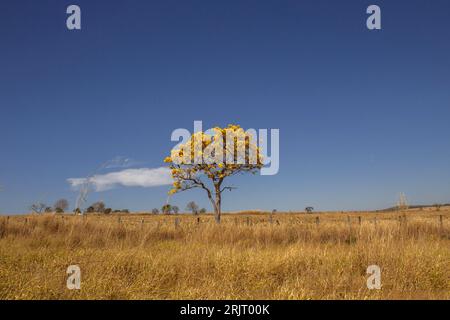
(298, 256)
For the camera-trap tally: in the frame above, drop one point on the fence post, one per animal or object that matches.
(359, 220)
(317, 220)
(177, 223)
(142, 223)
(198, 220)
(441, 222)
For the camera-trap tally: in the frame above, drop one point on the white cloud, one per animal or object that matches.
(143, 177)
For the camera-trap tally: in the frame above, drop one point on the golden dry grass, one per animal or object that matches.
(245, 257)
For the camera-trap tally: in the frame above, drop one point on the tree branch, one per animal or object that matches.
(227, 188)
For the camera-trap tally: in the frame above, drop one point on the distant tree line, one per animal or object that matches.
(62, 205)
(100, 207)
(168, 209)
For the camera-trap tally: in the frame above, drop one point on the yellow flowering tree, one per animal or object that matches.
(208, 158)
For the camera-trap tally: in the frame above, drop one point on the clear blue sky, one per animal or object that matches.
(363, 115)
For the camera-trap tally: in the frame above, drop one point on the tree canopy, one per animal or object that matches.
(208, 158)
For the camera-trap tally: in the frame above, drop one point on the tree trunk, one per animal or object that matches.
(217, 204)
(215, 201)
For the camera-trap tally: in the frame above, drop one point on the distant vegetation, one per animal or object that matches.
(309, 209)
(59, 207)
(436, 207)
(192, 207)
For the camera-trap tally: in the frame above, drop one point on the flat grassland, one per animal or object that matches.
(297, 256)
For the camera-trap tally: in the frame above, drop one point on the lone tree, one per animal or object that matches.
(175, 209)
(155, 211)
(98, 206)
(309, 209)
(90, 209)
(166, 209)
(207, 158)
(61, 205)
(38, 207)
(192, 207)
